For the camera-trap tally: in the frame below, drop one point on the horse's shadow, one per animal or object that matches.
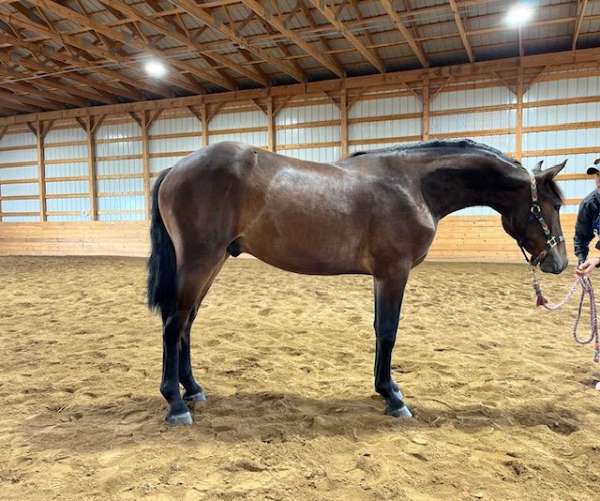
(269, 417)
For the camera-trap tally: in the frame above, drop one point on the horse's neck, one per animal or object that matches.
(448, 189)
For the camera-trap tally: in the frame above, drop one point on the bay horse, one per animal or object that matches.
(373, 213)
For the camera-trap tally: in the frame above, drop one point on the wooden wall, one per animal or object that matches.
(461, 238)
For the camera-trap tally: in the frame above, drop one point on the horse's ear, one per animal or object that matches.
(538, 167)
(553, 171)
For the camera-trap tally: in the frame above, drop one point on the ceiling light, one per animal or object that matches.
(155, 69)
(518, 15)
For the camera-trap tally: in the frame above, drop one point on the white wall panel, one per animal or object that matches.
(384, 129)
(577, 138)
(253, 138)
(573, 87)
(167, 145)
(161, 163)
(239, 120)
(560, 114)
(63, 135)
(472, 121)
(307, 135)
(107, 167)
(175, 125)
(470, 98)
(385, 106)
(76, 151)
(68, 169)
(312, 113)
(315, 154)
(25, 155)
(28, 172)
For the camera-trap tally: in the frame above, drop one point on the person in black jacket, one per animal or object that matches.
(588, 225)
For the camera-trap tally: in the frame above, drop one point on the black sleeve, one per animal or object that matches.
(584, 229)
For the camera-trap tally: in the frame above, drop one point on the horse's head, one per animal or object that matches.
(535, 223)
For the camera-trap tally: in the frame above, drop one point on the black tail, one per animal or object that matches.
(162, 264)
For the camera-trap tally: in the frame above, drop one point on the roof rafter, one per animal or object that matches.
(165, 28)
(389, 8)
(461, 30)
(195, 10)
(582, 6)
(32, 65)
(323, 59)
(116, 35)
(66, 40)
(332, 17)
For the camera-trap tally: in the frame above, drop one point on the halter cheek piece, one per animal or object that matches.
(535, 212)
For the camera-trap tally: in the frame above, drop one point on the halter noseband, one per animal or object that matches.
(551, 240)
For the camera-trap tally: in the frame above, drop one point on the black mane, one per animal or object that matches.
(454, 144)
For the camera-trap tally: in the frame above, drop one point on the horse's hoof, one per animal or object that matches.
(403, 411)
(196, 398)
(183, 419)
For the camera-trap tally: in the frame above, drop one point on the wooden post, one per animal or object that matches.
(91, 146)
(89, 126)
(271, 142)
(425, 117)
(145, 122)
(2, 132)
(344, 123)
(146, 163)
(38, 129)
(204, 117)
(519, 117)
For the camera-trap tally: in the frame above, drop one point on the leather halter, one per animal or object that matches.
(535, 212)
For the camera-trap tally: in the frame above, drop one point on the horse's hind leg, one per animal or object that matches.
(192, 278)
(193, 391)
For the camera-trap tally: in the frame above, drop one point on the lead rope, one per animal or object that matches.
(586, 289)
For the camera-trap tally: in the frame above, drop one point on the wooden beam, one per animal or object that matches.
(332, 17)
(438, 75)
(205, 123)
(581, 5)
(2, 133)
(344, 123)
(271, 139)
(199, 12)
(89, 126)
(37, 129)
(389, 8)
(146, 162)
(425, 117)
(323, 59)
(519, 117)
(461, 30)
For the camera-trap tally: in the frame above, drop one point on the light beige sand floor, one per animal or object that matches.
(504, 399)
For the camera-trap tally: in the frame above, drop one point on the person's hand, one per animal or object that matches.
(587, 267)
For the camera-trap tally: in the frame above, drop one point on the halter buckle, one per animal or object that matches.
(553, 242)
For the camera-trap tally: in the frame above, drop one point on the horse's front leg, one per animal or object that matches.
(389, 292)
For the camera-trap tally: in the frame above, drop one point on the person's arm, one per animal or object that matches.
(584, 230)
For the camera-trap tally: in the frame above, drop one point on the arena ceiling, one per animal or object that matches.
(57, 54)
